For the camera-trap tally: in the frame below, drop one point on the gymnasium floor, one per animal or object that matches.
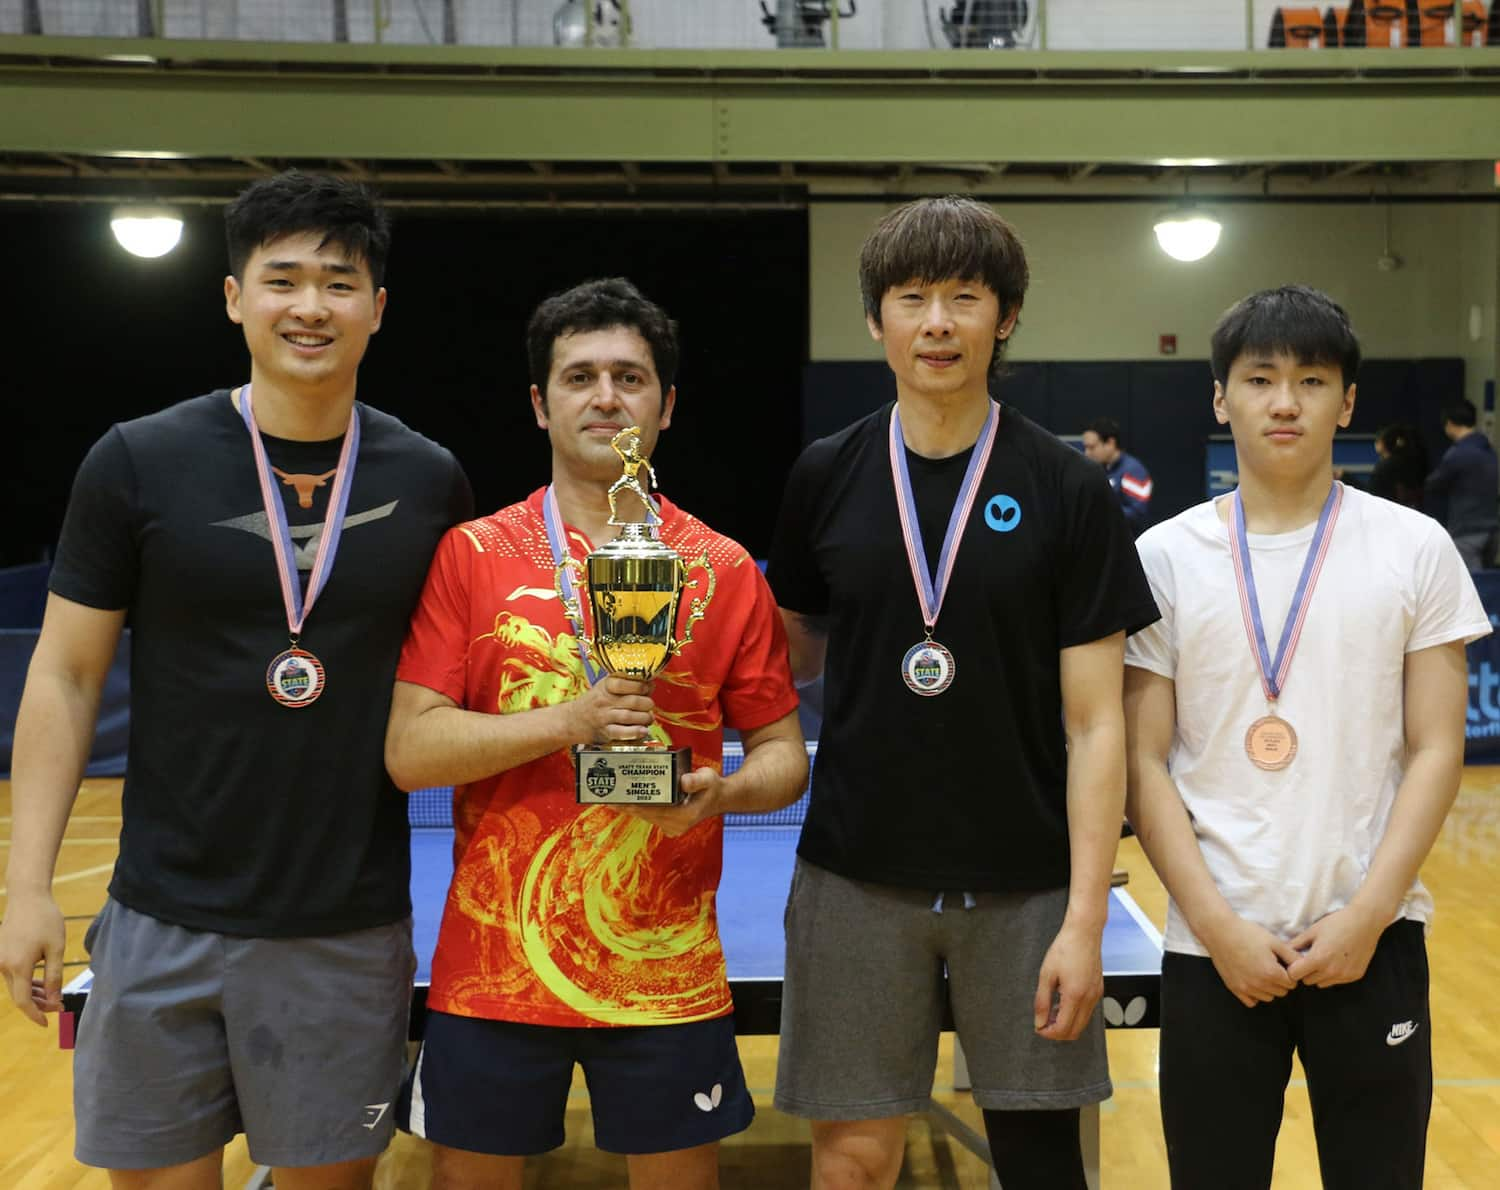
(1464, 1142)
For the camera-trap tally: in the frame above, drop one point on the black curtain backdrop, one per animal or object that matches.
(94, 336)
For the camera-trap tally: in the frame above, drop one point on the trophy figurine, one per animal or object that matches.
(633, 587)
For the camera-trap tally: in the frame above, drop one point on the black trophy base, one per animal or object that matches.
(630, 774)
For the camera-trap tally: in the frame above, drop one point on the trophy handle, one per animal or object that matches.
(699, 605)
(572, 605)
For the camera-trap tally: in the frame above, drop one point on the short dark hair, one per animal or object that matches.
(941, 239)
(1107, 428)
(1460, 412)
(599, 305)
(345, 213)
(1294, 320)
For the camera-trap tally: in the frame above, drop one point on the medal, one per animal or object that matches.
(928, 668)
(295, 678)
(1271, 742)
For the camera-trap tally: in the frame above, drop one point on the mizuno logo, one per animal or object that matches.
(305, 538)
(374, 1113)
(1401, 1032)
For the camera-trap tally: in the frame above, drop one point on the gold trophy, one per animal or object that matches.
(634, 586)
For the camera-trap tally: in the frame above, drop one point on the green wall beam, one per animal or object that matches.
(185, 98)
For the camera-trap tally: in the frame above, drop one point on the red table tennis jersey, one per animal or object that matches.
(561, 914)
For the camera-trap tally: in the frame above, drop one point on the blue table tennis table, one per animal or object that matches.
(759, 851)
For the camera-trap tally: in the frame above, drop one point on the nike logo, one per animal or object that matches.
(374, 1113)
(1401, 1032)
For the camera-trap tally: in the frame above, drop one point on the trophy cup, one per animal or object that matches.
(633, 587)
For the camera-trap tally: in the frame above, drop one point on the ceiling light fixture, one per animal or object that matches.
(1188, 234)
(146, 231)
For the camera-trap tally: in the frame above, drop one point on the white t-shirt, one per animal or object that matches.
(1288, 847)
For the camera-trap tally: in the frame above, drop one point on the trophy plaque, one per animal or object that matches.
(633, 588)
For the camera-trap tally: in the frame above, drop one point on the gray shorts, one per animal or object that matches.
(190, 1037)
(863, 1001)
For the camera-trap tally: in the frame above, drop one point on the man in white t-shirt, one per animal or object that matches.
(1296, 734)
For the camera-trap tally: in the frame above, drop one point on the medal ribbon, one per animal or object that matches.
(1273, 675)
(557, 538)
(297, 606)
(930, 592)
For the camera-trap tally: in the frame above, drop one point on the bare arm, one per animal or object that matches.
(431, 740)
(772, 775)
(1073, 973)
(54, 731)
(1435, 695)
(807, 644)
(1250, 960)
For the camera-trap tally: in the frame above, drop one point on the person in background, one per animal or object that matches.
(1402, 468)
(1127, 474)
(1468, 479)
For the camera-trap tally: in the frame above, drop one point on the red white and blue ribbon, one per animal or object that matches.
(1273, 673)
(298, 605)
(931, 589)
(557, 538)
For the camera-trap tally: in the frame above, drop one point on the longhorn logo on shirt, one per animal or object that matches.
(305, 484)
(600, 779)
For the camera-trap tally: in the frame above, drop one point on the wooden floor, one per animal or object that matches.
(1464, 1148)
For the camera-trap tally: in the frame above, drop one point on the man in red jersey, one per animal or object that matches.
(583, 934)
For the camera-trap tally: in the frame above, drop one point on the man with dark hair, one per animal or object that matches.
(584, 934)
(1467, 481)
(1127, 474)
(252, 966)
(967, 799)
(1288, 799)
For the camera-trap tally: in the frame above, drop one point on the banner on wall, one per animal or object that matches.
(1482, 729)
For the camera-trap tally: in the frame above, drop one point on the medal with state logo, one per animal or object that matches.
(1271, 741)
(295, 677)
(928, 667)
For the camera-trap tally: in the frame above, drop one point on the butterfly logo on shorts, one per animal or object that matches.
(711, 1100)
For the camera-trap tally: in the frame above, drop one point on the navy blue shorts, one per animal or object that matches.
(501, 1088)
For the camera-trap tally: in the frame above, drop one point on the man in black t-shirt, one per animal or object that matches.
(252, 966)
(964, 583)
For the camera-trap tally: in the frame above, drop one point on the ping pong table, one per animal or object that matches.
(759, 851)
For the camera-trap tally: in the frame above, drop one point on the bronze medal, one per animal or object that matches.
(1271, 743)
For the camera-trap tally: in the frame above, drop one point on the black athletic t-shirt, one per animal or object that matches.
(966, 789)
(241, 815)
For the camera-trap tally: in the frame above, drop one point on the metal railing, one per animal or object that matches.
(1001, 26)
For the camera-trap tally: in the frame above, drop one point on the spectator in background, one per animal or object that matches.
(1468, 479)
(1127, 474)
(1402, 468)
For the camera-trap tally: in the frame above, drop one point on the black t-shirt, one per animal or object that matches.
(965, 789)
(241, 815)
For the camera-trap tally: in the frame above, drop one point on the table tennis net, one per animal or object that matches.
(433, 807)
